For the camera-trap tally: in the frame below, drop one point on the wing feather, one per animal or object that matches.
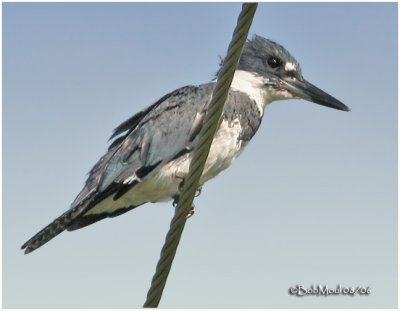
(150, 138)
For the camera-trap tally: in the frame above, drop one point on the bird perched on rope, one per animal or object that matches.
(152, 150)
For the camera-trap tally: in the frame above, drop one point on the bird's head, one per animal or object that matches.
(281, 73)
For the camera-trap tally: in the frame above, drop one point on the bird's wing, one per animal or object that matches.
(156, 135)
(152, 137)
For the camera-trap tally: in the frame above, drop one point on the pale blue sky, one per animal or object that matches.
(311, 201)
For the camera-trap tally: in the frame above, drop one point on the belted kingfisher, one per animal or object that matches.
(152, 150)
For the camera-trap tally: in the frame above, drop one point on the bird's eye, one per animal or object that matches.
(274, 62)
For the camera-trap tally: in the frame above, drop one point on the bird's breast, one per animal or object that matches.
(164, 183)
(226, 146)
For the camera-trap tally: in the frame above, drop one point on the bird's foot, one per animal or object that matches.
(198, 191)
(175, 201)
(181, 177)
(191, 211)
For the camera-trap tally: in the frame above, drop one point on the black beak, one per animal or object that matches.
(305, 90)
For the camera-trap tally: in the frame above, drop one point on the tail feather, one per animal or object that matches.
(53, 229)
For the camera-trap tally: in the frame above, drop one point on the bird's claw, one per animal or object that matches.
(180, 189)
(180, 186)
(198, 191)
(181, 177)
(175, 201)
(191, 211)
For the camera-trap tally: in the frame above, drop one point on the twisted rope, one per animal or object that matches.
(201, 152)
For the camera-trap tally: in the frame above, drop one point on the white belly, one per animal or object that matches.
(163, 184)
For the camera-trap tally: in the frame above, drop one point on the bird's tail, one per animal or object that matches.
(53, 229)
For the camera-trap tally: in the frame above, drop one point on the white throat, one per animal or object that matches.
(253, 86)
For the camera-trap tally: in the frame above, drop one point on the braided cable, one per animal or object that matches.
(201, 152)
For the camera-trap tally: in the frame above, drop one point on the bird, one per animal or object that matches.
(150, 152)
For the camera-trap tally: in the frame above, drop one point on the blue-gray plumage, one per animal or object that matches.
(152, 150)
